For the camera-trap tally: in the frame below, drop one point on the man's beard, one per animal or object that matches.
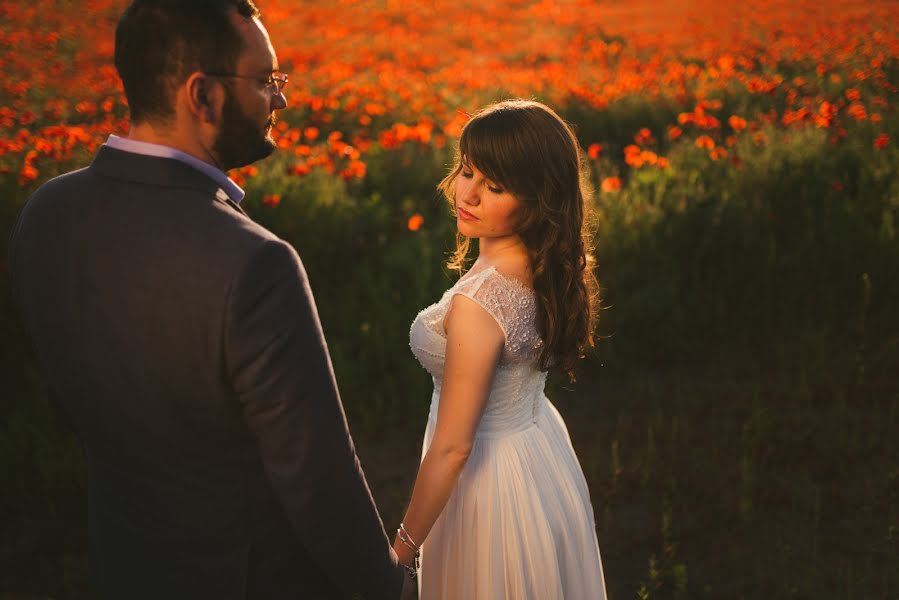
(240, 141)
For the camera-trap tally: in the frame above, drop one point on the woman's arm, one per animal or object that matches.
(474, 343)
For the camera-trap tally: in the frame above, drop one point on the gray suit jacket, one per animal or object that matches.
(182, 342)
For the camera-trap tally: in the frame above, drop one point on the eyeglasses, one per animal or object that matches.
(277, 80)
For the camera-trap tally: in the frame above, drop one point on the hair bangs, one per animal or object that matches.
(490, 144)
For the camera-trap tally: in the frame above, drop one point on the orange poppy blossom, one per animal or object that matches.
(404, 77)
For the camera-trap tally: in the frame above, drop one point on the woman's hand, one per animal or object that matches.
(403, 552)
(406, 557)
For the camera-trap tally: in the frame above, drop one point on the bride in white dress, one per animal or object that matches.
(500, 507)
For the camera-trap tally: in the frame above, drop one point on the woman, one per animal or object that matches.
(500, 507)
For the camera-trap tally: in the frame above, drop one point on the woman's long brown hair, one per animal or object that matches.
(526, 148)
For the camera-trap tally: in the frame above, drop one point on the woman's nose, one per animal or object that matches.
(470, 195)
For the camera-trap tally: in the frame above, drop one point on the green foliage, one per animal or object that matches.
(666, 577)
(703, 255)
(785, 266)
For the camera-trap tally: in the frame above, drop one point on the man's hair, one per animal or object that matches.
(159, 43)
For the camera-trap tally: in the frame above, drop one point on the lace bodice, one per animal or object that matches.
(518, 384)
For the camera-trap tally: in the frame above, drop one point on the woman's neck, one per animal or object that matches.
(500, 250)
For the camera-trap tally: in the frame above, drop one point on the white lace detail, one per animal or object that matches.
(517, 391)
(510, 302)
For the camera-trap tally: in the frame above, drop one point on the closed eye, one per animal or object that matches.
(467, 173)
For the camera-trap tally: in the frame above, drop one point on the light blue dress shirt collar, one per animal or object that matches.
(233, 190)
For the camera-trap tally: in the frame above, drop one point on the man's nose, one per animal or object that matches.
(279, 101)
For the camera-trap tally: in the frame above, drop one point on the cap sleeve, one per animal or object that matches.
(512, 305)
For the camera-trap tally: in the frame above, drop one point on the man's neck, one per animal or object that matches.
(144, 132)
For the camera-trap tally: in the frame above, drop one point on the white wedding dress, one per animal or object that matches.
(519, 524)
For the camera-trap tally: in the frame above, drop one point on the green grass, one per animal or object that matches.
(773, 485)
(715, 481)
(737, 424)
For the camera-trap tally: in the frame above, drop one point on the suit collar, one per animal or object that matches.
(162, 151)
(156, 171)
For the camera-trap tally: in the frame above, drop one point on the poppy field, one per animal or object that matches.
(385, 74)
(738, 421)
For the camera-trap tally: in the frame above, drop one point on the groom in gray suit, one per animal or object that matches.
(181, 340)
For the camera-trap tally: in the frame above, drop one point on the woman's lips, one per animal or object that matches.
(465, 215)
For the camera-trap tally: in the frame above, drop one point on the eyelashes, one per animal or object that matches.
(469, 174)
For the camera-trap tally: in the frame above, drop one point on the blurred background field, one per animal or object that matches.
(739, 421)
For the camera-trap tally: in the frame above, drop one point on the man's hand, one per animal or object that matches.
(410, 589)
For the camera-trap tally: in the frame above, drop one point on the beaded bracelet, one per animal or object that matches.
(406, 533)
(406, 539)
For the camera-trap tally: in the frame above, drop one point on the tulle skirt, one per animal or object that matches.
(519, 523)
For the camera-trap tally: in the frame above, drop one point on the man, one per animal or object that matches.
(182, 342)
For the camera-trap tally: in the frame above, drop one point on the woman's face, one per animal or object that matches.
(483, 208)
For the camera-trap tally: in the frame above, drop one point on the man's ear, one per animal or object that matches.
(205, 96)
